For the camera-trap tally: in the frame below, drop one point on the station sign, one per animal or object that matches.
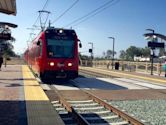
(5, 36)
(156, 45)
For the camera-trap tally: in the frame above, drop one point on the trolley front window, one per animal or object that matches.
(60, 48)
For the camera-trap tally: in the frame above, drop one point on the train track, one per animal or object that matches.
(90, 112)
(94, 111)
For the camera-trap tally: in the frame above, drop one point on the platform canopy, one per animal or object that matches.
(3, 24)
(8, 6)
(155, 34)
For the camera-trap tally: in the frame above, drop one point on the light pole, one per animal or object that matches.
(152, 51)
(112, 50)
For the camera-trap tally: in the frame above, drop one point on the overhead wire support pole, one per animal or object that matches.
(31, 35)
(32, 29)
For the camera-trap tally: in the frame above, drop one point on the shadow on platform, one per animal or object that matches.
(83, 82)
(13, 113)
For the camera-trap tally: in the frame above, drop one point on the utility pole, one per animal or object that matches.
(112, 51)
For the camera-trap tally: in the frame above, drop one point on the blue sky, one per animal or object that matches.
(127, 21)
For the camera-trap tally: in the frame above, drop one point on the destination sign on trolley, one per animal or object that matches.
(60, 34)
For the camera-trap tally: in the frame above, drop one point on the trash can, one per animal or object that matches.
(116, 65)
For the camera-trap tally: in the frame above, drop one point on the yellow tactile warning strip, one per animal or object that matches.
(124, 74)
(32, 89)
(38, 107)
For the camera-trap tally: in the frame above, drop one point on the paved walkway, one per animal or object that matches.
(22, 101)
(12, 103)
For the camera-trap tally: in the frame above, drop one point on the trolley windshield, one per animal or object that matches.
(60, 48)
(60, 43)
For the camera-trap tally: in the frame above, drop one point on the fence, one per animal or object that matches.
(143, 67)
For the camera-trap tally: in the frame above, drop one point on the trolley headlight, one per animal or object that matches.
(60, 31)
(52, 64)
(69, 64)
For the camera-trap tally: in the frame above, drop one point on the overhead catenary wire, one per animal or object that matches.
(39, 14)
(93, 12)
(81, 21)
(65, 11)
(32, 29)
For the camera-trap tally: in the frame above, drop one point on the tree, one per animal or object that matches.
(7, 47)
(134, 51)
(122, 55)
(84, 57)
(109, 54)
(145, 52)
(162, 52)
(131, 52)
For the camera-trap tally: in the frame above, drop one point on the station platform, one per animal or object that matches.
(126, 74)
(22, 100)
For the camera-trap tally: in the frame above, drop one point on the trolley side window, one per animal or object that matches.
(39, 48)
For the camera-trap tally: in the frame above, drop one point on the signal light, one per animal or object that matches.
(90, 50)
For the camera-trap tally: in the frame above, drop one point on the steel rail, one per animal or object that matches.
(112, 108)
(80, 120)
(115, 110)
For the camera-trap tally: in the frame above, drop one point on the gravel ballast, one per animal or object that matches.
(151, 111)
